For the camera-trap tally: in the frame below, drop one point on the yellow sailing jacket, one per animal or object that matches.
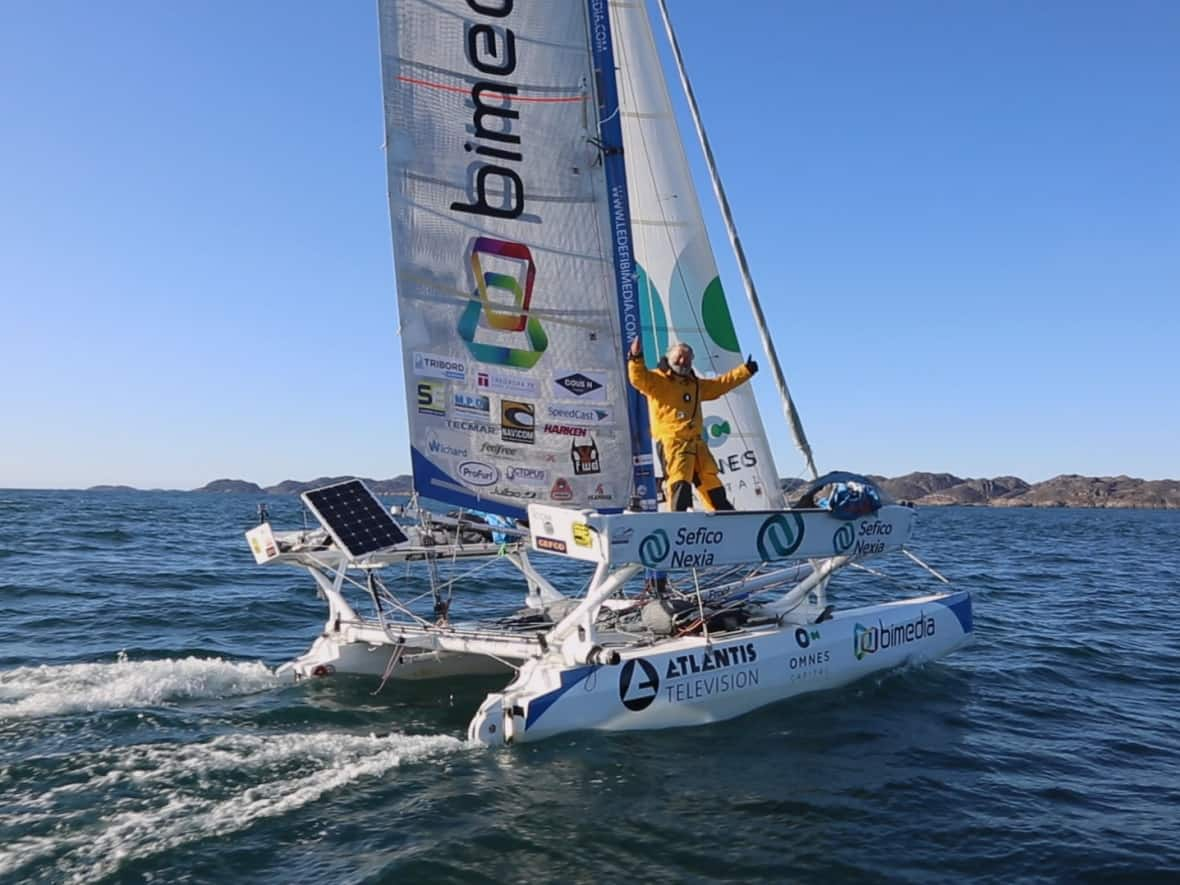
(675, 401)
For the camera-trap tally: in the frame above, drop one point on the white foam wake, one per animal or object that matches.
(36, 692)
(158, 797)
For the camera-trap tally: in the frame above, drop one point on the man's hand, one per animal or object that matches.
(751, 365)
(636, 348)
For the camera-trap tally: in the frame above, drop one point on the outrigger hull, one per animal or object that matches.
(694, 680)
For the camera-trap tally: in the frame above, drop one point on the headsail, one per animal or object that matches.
(506, 286)
(680, 289)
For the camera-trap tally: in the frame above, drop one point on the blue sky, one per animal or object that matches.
(963, 219)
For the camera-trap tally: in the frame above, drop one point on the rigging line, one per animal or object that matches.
(506, 96)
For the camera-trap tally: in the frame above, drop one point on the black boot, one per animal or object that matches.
(718, 499)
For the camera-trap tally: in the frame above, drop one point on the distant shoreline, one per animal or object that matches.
(924, 489)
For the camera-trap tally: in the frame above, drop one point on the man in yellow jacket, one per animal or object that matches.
(675, 394)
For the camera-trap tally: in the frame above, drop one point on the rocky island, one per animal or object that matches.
(923, 489)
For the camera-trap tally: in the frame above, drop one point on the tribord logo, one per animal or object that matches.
(779, 537)
(869, 640)
(498, 313)
(716, 431)
(654, 548)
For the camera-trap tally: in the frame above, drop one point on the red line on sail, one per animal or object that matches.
(467, 91)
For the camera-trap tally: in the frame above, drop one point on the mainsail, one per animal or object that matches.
(680, 290)
(504, 249)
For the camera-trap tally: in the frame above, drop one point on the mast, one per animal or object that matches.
(610, 134)
(792, 416)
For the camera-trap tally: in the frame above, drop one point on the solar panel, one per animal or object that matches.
(355, 519)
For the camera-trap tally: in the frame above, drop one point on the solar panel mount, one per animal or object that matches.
(356, 520)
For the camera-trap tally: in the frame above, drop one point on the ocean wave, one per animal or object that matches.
(127, 804)
(49, 690)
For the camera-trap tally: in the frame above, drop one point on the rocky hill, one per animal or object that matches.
(399, 485)
(1067, 490)
(926, 489)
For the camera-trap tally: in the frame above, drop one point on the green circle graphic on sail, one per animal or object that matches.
(498, 315)
(652, 319)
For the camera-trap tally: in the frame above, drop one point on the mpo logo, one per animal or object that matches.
(844, 538)
(778, 538)
(654, 548)
(716, 432)
(638, 690)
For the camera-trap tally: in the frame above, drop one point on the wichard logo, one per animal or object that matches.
(779, 536)
(638, 689)
(654, 548)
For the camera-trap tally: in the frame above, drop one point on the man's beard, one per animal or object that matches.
(682, 371)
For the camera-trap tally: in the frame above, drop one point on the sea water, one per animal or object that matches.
(145, 737)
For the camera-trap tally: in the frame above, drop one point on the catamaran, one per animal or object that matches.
(545, 216)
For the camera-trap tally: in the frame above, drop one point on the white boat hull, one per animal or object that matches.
(329, 656)
(692, 681)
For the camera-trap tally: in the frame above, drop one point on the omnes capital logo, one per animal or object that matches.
(779, 537)
(715, 431)
(498, 313)
(654, 548)
(639, 684)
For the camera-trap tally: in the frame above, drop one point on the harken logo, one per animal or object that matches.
(639, 684)
(654, 548)
(779, 537)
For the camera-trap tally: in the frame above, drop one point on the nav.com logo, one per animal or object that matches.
(780, 536)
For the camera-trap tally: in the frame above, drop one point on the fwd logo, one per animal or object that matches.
(778, 537)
